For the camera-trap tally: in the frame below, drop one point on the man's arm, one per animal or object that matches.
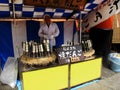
(57, 31)
(41, 34)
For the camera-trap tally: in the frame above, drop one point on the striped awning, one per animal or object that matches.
(8, 9)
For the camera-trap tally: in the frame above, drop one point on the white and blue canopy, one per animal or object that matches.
(25, 11)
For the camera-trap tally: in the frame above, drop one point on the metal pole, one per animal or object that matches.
(14, 24)
(13, 11)
(13, 8)
(80, 27)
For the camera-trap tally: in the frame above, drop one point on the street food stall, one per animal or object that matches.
(72, 62)
(64, 67)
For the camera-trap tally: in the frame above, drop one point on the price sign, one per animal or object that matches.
(66, 52)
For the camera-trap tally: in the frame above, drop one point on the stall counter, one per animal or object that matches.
(58, 78)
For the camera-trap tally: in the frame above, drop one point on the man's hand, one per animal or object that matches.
(46, 36)
(51, 37)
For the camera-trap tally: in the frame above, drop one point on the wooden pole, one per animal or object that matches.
(69, 74)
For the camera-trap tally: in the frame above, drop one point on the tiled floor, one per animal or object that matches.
(6, 87)
(109, 81)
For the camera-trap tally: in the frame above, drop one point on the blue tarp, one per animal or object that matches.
(6, 44)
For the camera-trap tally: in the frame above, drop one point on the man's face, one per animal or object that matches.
(47, 19)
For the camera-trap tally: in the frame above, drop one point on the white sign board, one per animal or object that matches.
(101, 14)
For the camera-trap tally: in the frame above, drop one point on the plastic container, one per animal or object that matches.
(115, 67)
(114, 59)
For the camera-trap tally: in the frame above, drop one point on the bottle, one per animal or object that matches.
(26, 49)
(89, 44)
(48, 47)
(86, 45)
(36, 50)
(23, 47)
(33, 51)
(40, 47)
(83, 46)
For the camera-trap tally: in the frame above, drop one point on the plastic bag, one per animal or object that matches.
(10, 71)
(114, 57)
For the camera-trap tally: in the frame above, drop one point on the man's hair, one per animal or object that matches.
(46, 15)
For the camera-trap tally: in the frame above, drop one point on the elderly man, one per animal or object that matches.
(49, 30)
